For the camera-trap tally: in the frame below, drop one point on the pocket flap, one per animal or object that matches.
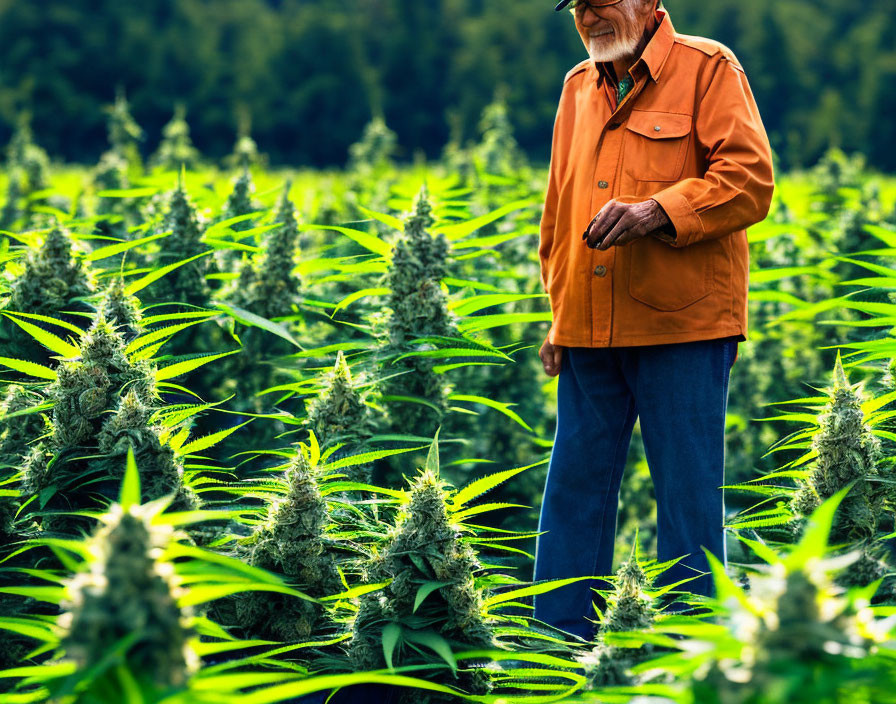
(659, 125)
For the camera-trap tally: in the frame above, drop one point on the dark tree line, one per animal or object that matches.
(311, 74)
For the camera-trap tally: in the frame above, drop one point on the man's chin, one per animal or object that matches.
(614, 52)
(607, 56)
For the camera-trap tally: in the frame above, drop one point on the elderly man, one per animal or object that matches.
(659, 162)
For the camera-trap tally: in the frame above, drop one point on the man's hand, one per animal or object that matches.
(551, 357)
(620, 223)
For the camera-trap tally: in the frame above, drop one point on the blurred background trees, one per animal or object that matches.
(311, 75)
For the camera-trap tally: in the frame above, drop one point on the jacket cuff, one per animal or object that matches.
(688, 226)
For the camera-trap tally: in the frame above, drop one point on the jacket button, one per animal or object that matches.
(603, 184)
(600, 270)
(656, 128)
(614, 125)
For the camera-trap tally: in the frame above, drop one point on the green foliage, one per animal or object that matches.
(431, 599)
(373, 153)
(629, 608)
(17, 433)
(267, 284)
(339, 412)
(121, 310)
(418, 309)
(27, 168)
(795, 637)
(176, 149)
(434, 318)
(124, 133)
(846, 451)
(131, 429)
(127, 594)
(291, 541)
(498, 152)
(187, 283)
(52, 276)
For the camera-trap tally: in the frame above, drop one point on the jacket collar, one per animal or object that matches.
(657, 50)
(655, 53)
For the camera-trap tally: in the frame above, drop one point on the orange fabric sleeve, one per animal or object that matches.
(736, 190)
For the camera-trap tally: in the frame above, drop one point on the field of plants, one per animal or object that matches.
(275, 435)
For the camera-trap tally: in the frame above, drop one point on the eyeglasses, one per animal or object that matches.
(582, 5)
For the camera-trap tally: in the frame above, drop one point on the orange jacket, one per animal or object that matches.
(688, 135)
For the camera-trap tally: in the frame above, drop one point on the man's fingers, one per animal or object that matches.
(606, 218)
(622, 225)
(604, 221)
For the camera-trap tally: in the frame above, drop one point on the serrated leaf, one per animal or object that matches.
(533, 590)
(31, 368)
(208, 441)
(248, 318)
(175, 370)
(477, 323)
(366, 457)
(366, 240)
(459, 230)
(162, 333)
(153, 276)
(384, 218)
(497, 405)
(358, 295)
(52, 321)
(434, 642)
(47, 339)
(113, 249)
(481, 486)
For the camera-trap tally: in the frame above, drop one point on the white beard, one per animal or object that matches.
(623, 44)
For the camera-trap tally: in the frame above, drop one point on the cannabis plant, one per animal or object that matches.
(498, 153)
(131, 627)
(418, 308)
(85, 388)
(121, 309)
(431, 599)
(127, 594)
(239, 203)
(132, 428)
(847, 450)
(374, 152)
(110, 175)
(176, 149)
(27, 168)
(52, 277)
(268, 285)
(292, 541)
(370, 168)
(187, 283)
(795, 636)
(629, 608)
(124, 133)
(104, 404)
(20, 424)
(338, 412)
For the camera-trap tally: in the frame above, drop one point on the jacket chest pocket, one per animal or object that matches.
(655, 145)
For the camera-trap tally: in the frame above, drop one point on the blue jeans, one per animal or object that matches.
(680, 393)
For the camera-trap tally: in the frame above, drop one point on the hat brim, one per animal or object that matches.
(561, 5)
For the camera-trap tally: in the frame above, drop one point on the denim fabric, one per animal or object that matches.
(680, 393)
